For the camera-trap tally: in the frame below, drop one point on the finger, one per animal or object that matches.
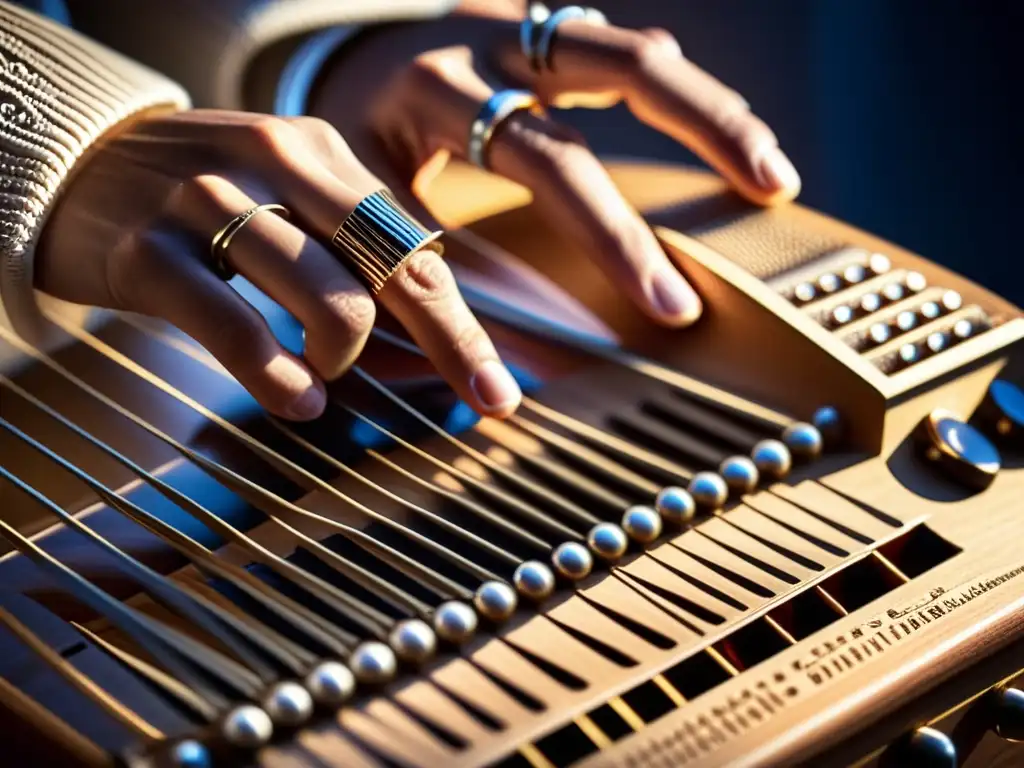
(280, 154)
(574, 193)
(425, 298)
(289, 266)
(571, 188)
(669, 93)
(154, 274)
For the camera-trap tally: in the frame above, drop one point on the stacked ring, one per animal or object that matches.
(536, 14)
(378, 236)
(220, 242)
(496, 110)
(536, 41)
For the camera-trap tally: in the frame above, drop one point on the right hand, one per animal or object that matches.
(133, 230)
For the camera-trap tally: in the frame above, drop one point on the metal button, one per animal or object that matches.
(829, 283)
(855, 273)
(963, 329)
(958, 450)
(916, 282)
(879, 333)
(879, 263)
(893, 292)
(909, 354)
(841, 315)
(951, 301)
(870, 302)
(936, 342)
(1009, 714)
(906, 321)
(804, 293)
(923, 748)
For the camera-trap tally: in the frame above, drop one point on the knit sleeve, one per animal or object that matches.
(59, 93)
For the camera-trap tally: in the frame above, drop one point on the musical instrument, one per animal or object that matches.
(789, 535)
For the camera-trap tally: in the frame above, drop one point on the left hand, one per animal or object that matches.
(405, 96)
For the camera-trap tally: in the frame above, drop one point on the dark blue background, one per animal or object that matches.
(903, 116)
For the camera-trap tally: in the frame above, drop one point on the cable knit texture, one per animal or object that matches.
(59, 93)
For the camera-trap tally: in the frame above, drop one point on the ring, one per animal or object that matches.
(496, 110)
(221, 240)
(540, 54)
(379, 235)
(536, 14)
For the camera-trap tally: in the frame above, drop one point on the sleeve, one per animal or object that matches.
(59, 93)
(292, 87)
(222, 49)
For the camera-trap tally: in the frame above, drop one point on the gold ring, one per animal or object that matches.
(379, 235)
(221, 240)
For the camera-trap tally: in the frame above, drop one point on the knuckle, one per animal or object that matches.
(557, 155)
(426, 278)
(653, 47)
(315, 126)
(321, 131)
(428, 70)
(663, 42)
(348, 315)
(270, 137)
(471, 341)
(741, 127)
(197, 192)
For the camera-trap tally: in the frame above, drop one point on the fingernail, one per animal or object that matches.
(308, 405)
(777, 172)
(673, 297)
(495, 388)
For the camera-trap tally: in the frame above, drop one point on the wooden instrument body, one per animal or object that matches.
(917, 650)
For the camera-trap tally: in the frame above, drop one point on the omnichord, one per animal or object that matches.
(788, 535)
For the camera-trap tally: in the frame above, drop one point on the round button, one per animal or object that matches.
(1009, 714)
(924, 748)
(829, 283)
(967, 443)
(961, 451)
(870, 302)
(804, 293)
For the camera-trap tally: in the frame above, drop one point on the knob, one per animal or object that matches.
(1001, 413)
(1009, 714)
(923, 748)
(958, 450)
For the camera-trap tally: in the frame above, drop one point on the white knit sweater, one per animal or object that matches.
(59, 93)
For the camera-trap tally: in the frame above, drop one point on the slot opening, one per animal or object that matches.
(805, 614)
(918, 550)
(696, 675)
(566, 745)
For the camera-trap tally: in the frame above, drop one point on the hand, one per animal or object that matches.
(133, 232)
(405, 96)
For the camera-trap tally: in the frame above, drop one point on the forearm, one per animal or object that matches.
(61, 93)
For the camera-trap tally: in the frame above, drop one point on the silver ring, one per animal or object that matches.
(541, 58)
(496, 110)
(536, 14)
(378, 236)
